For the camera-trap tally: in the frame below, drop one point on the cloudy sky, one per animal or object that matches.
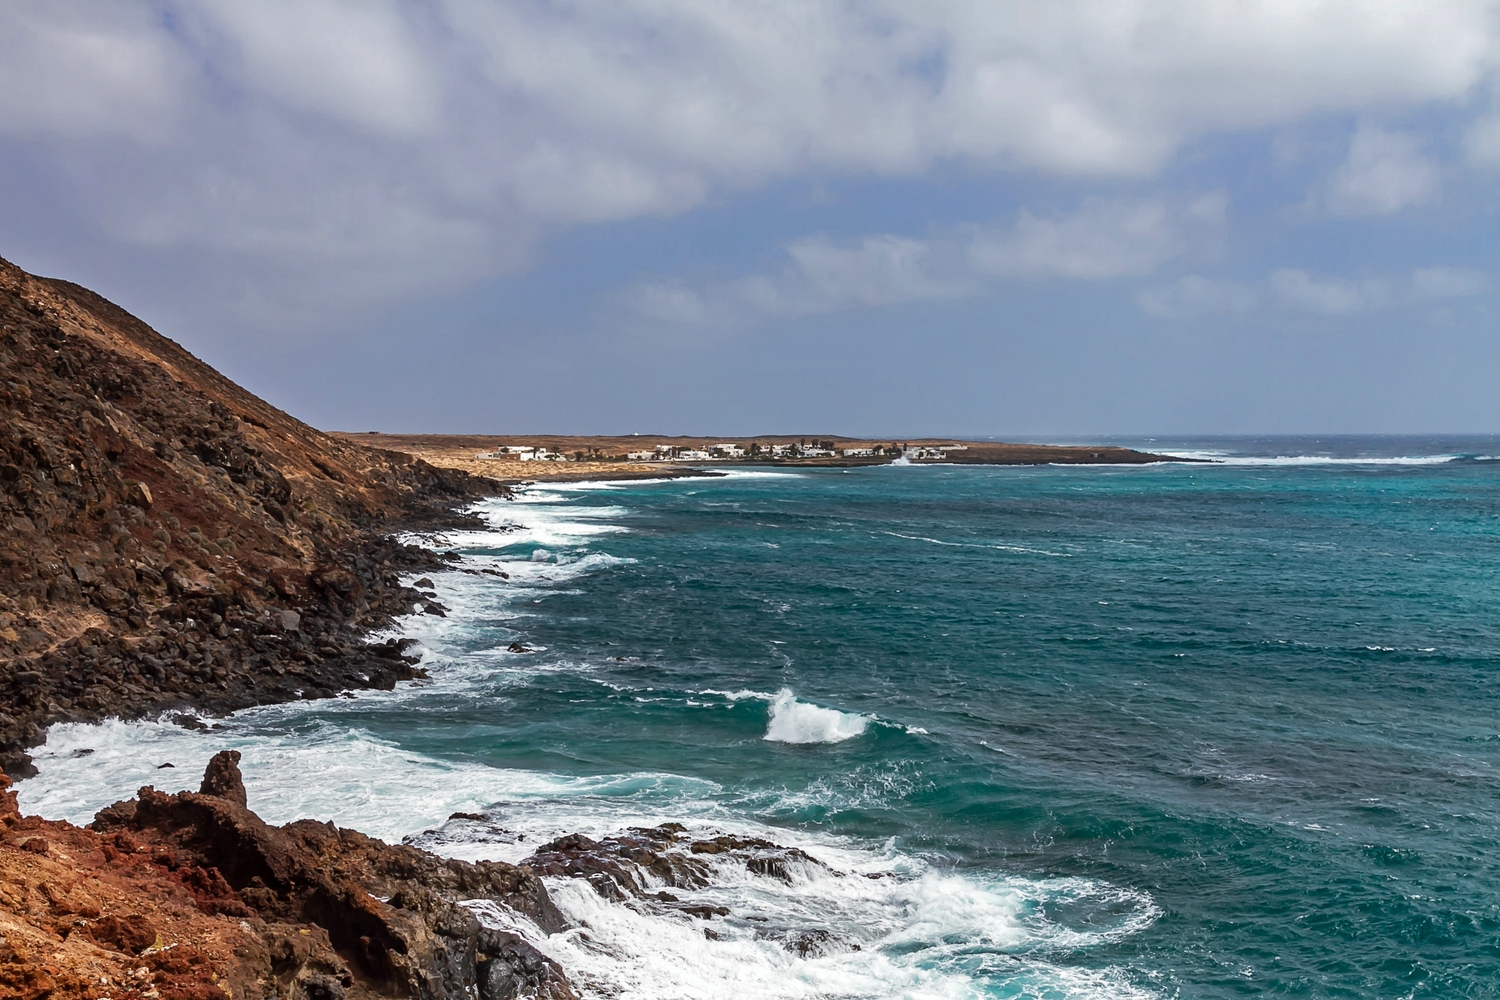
(1011, 218)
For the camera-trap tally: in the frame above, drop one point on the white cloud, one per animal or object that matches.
(1385, 172)
(1299, 291)
(1446, 282)
(1102, 240)
(70, 69)
(1106, 239)
(355, 150)
(1195, 295)
(1294, 290)
(1482, 142)
(367, 64)
(821, 277)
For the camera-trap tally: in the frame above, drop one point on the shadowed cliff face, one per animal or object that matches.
(167, 538)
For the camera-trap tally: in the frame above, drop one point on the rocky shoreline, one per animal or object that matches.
(172, 542)
(174, 545)
(193, 897)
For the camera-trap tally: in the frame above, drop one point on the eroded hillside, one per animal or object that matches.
(170, 538)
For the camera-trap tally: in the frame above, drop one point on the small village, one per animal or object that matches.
(731, 451)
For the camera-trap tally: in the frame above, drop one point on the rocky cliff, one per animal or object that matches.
(168, 539)
(193, 897)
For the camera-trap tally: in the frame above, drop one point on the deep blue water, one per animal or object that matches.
(1179, 730)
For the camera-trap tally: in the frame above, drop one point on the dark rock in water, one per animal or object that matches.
(168, 764)
(509, 967)
(810, 942)
(416, 943)
(424, 584)
(189, 722)
(516, 647)
(621, 866)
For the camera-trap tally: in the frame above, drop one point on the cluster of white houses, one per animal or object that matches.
(728, 451)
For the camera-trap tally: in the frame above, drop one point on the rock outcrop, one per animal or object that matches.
(192, 897)
(628, 864)
(641, 866)
(168, 539)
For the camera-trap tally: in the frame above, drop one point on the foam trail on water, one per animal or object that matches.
(1224, 458)
(794, 721)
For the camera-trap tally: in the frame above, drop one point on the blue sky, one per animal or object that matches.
(1026, 219)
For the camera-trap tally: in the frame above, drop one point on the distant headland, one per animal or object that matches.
(554, 457)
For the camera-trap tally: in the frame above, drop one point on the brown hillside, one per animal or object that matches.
(169, 538)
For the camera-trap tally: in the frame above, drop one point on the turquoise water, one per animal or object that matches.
(1180, 730)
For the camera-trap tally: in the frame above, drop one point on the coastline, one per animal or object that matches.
(178, 545)
(605, 458)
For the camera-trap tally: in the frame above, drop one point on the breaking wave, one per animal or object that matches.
(794, 721)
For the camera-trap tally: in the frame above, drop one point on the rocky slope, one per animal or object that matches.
(168, 539)
(194, 897)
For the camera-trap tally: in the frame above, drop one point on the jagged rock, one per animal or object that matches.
(138, 494)
(627, 864)
(510, 967)
(390, 913)
(131, 934)
(222, 778)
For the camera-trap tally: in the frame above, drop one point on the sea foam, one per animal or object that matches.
(933, 935)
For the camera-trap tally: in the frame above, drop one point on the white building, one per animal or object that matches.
(641, 456)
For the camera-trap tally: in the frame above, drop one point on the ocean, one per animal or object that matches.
(1163, 731)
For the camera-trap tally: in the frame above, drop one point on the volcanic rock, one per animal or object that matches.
(169, 540)
(192, 895)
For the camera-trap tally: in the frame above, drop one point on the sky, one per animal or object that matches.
(1016, 219)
